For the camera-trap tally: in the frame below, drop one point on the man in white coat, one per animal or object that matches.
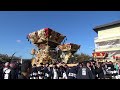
(6, 71)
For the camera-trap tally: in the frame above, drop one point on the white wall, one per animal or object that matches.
(106, 33)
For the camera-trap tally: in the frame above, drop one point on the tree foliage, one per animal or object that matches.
(82, 57)
(6, 58)
(79, 58)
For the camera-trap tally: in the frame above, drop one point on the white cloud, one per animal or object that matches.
(18, 41)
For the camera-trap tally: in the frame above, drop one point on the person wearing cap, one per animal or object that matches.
(26, 68)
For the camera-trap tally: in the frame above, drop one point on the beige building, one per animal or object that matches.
(108, 39)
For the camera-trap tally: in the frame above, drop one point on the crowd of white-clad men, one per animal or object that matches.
(83, 70)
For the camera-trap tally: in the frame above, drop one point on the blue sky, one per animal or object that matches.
(76, 25)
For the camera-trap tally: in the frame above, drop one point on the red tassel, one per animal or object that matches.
(48, 32)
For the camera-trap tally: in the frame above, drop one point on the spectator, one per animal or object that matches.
(116, 66)
(54, 71)
(34, 72)
(47, 71)
(6, 71)
(14, 72)
(25, 70)
(71, 73)
(99, 71)
(84, 72)
(92, 66)
(40, 70)
(1, 70)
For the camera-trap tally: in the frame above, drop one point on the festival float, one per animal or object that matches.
(68, 51)
(46, 41)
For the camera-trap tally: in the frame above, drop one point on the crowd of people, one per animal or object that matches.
(83, 70)
(10, 70)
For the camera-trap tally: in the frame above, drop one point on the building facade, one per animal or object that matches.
(108, 40)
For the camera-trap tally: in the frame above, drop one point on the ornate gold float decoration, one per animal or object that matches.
(46, 41)
(68, 50)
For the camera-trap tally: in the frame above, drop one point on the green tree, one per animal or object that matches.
(82, 57)
(6, 58)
